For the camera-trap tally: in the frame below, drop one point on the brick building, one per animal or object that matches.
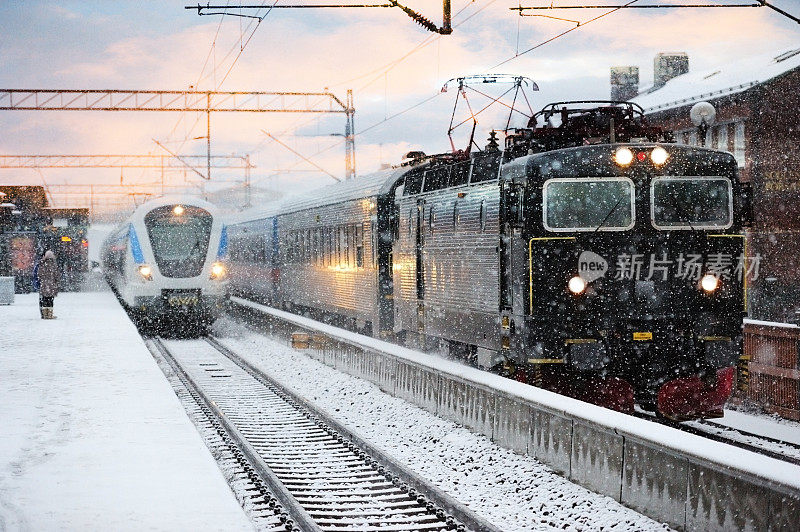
(757, 102)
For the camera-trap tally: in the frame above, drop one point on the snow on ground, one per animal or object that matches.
(722, 454)
(513, 492)
(93, 437)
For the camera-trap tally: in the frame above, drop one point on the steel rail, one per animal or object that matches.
(437, 496)
(284, 497)
(366, 484)
(686, 428)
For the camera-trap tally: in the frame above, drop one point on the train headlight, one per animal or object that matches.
(709, 283)
(659, 156)
(177, 210)
(146, 272)
(576, 285)
(218, 271)
(623, 156)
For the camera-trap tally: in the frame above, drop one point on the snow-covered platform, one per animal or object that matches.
(92, 437)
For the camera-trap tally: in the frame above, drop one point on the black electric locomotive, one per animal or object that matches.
(636, 260)
(589, 255)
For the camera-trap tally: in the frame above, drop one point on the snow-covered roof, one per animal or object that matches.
(709, 84)
(350, 189)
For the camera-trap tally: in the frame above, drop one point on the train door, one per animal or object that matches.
(387, 225)
(420, 264)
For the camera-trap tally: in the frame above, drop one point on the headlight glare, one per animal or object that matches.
(709, 283)
(576, 285)
(146, 272)
(218, 270)
(659, 156)
(623, 156)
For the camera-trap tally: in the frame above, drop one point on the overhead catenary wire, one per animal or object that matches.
(429, 39)
(757, 3)
(444, 29)
(227, 73)
(555, 37)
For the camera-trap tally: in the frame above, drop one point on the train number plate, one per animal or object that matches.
(178, 299)
(642, 336)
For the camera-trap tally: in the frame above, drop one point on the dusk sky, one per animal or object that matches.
(391, 64)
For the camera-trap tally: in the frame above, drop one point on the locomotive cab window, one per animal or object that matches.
(413, 183)
(459, 174)
(485, 168)
(691, 203)
(436, 178)
(588, 204)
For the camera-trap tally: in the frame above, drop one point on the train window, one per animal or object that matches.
(485, 168)
(339, 245)
(346, 231)
(483, 215)
(459, 174)
(359, 236)
(325, 247)
(315, 246)
(436, 178)
(413, 183)
(588, 204)
(691, 203)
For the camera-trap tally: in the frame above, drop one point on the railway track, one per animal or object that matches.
(771, 447)
(314, 473)
(782, 450)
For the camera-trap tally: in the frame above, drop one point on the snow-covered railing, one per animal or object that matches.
(685, 480)
(771, 352)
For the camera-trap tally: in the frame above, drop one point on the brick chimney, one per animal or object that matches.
(668, 65)
(624, 83)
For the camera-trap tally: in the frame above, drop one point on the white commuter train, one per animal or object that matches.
(167, 263)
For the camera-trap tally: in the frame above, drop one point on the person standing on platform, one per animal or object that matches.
(48, 277)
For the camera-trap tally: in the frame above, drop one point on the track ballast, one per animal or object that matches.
(324, 477)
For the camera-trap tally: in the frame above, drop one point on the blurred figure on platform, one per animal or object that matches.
(47, 278)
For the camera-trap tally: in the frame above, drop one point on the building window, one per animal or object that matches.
(693, 138)
(738, 144)
(722, 137)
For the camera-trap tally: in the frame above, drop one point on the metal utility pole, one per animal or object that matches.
(162, 162)
(247, 191)
(169, 162)
(349, 139)
(185, 101)
(208, 135)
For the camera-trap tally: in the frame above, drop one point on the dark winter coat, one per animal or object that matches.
(48, 276)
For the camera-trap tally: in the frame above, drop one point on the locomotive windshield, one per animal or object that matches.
(180, 241)
(691, 203)
(588, 204)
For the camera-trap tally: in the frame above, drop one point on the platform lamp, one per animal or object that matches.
(703, 115)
